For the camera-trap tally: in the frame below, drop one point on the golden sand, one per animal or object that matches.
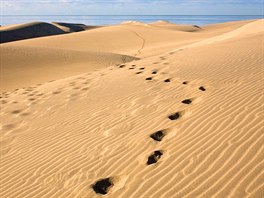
(158, 110)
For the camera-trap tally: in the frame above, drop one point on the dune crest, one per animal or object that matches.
(134, 23)
(36, 29)
(250, 29)
(177, 27)
(70, 27)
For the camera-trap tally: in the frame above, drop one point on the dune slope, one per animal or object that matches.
(131, 38)
(25, 65)
(36, 29)
(185, 123)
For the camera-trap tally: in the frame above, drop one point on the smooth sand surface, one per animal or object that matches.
(134, 110)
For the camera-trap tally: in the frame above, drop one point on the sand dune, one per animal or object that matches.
(37, 29)
(123, 39)
(256, 27)
(24, 66)
(184, 28)
(183, 121)
(70, 27)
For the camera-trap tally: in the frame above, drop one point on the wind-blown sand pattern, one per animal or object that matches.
(134, 110)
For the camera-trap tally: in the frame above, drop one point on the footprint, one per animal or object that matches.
(56, 92)
(85, 89)
(16, 111)
(102, 186)
(187, 101)
(31, 99)
(174, 116)
(3, 102)
(167, 80)
(154, 72)
(139, 72)
(121, 66)
(185, 82)
(154, 158)
(9, 127)
(142, 68)
(131, 68)
(149, 78)
(25, 114)
(202, 88)
(158, 136)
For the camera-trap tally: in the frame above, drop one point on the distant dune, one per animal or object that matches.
(172, 26)
(36, 29)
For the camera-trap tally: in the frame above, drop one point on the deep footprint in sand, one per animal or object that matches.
(142, 68)
(16, 111)
(167, 80)
(149, 78)
(174, 116)
(202, 88)
(154, 158)
(187, 101)
(157, 136)
(102, 186)
(139, 72)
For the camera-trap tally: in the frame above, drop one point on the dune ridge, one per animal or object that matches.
(37, 29)
(177, 122)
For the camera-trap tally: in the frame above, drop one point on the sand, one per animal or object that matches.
(134, 110)
(37, 29)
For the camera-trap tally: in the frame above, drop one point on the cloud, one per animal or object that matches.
(131, 6)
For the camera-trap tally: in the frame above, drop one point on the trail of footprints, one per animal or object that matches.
(103, 186)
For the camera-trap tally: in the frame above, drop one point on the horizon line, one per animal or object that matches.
(135, 15)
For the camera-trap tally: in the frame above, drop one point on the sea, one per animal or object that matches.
(116, 19)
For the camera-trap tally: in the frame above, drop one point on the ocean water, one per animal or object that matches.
(110, 19)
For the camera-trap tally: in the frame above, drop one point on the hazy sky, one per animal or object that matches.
(127, 7)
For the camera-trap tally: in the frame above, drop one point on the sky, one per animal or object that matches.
(132, 7)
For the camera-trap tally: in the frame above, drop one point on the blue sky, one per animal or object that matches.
(130, 7)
